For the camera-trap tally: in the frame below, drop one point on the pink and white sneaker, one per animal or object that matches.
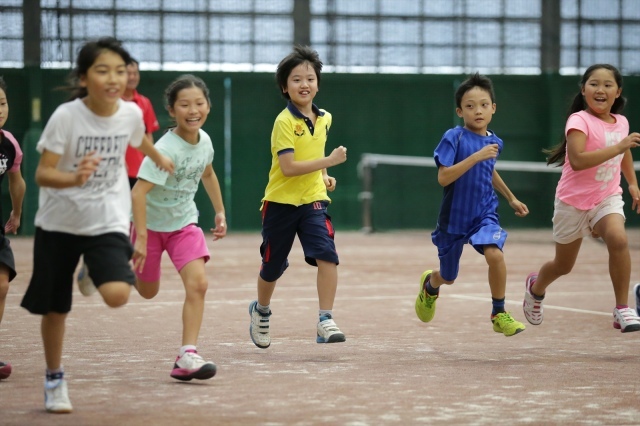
(625, 320)
(531, 306)
(5, 370)
(192, 366)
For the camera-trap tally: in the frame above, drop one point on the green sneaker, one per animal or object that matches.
(425, 303)
(504, 323)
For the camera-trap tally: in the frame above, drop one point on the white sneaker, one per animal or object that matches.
(328, 331)
(192, 366)
(625, 320)
(531, 306)
(636, 291)
(259, 328)
(85, 283)
(56, 397)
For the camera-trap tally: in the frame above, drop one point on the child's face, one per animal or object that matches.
(476, 109)
(4, 108)
(601, 91)
(133, 76)
(106, 79)
(302, 85)
(190, 110)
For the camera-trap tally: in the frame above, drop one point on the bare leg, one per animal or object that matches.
(327, 284)
(436, 280)
(147, 289)
(4, 288)
(497, 271)
(562, 264)
(265, 291)
(195, 285)
(115, 293)
(52, 328)
(611, 229)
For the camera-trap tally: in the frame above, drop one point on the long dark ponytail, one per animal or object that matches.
(557, 154)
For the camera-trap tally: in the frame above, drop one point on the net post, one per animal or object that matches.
(366, 195)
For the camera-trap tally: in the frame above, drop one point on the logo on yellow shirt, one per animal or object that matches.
(298, 130)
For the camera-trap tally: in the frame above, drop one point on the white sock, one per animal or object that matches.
(186, 348)
(263, 309)
(325, 312)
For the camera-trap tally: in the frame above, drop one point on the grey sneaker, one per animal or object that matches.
(56, 396)
(328, 331)
(85, 283)
(259, 328)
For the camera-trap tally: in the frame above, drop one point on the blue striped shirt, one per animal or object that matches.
(471, 197)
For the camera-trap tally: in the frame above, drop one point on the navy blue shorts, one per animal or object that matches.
(450, 246)
(281, 223)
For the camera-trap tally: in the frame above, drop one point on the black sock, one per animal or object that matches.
(430, 290)
(498, 306)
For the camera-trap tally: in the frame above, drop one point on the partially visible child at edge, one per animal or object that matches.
(595, 149)
(466, 158)
(165, 216)
(133, 156)
(10, 160)
(85, 200)
(295, 200)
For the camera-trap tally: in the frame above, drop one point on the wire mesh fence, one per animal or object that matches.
(378, 36)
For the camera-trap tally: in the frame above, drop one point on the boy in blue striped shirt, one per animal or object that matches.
(466, 158)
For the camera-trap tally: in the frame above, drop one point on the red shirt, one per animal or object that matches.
(133, 157)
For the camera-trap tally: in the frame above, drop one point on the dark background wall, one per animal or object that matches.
(386, 114)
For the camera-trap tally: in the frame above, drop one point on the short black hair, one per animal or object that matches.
(3, 85)
(300, 54)
(475, 80)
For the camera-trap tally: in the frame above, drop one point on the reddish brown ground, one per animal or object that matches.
(393, 369)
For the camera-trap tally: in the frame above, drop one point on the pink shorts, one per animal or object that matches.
(183, 246)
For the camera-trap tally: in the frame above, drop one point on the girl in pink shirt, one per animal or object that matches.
(596, 148)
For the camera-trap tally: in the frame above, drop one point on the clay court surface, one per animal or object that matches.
(574, 368)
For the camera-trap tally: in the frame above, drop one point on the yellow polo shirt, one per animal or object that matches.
(294, 132)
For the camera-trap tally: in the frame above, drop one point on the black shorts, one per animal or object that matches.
(55, 258)
(280, 225)
(6, 256)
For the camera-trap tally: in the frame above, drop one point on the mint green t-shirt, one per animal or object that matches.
(170, 204)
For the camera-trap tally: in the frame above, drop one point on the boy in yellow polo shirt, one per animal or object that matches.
(295, 200)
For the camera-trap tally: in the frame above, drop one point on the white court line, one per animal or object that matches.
(148, 303)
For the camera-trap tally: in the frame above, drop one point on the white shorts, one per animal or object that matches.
(570, 224)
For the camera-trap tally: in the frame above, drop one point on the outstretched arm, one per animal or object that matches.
(519, 207)
(580, 159)
(17, 188)
(162, 161)
(630, 176)
(290, 167)
(212, 186)
(48, 175)
(139, 209)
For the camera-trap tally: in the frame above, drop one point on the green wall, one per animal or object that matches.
(386, 114)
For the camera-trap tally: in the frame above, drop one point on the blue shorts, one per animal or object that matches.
(281, 223)
(450, 246)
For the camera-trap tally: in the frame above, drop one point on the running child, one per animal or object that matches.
(85, 200)
(295, 200)
(165, 216)
(466, 158)
(595, 149)
(10, 160)
(133, 156)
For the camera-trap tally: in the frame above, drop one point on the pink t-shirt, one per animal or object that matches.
(585, 189)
